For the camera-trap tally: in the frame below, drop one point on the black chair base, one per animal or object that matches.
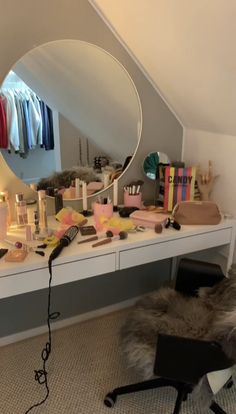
(182, 389)
(216, 408)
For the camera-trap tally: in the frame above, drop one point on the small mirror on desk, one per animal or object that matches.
(153, 168)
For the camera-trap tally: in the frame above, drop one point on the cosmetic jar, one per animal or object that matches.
(102, 210)
(132, 200)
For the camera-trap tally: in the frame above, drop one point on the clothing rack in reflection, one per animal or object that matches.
(26, 122)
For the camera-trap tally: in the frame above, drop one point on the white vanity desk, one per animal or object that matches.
(82, 261)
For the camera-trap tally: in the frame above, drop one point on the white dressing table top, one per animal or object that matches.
(76, 251)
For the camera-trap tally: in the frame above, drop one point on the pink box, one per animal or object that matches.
(134, 200)
(148, 218)
(102, 210)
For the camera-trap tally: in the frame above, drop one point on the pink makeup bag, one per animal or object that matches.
(148, 218)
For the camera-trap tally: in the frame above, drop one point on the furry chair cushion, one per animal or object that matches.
(211, 316)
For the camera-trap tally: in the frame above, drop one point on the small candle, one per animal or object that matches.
(106, 180)
(84, 196)
(77, 187)
(115, 192)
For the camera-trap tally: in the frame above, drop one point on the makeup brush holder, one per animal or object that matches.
(132, 200)
(102, 210)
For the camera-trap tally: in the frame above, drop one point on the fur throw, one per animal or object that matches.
(64, 178)
(211, 316)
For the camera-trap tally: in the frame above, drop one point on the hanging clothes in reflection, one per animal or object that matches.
(3, 124)
(47, 127)
(25, 122)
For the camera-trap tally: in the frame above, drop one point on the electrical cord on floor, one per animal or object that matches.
(41, 375)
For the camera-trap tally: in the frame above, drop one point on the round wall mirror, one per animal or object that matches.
(153, 167)
(72, 111)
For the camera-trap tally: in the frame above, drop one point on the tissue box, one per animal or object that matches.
(148, 218)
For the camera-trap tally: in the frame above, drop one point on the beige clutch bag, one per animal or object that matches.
(197, 212)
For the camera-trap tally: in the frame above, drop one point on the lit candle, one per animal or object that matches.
(84, 195)
(115, 192)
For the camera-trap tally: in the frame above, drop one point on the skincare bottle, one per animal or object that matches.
(3, 217)
(31, 206)
(42, 211)
(6, 195)
(36, 233)
(21, 210)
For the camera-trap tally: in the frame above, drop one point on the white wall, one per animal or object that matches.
(187, 47)
(30, 169)
(69, 145)
(201, 146)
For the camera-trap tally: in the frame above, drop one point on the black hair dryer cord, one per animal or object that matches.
(41, 375)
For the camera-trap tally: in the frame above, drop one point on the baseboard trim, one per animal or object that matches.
(30, 333)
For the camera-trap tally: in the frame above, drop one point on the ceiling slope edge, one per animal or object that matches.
(135, 59)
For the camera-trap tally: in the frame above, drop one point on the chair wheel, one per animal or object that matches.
(110, 400)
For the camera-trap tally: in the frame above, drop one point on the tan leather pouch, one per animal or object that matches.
(196, 212)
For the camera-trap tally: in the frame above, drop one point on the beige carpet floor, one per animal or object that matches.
(84, 365)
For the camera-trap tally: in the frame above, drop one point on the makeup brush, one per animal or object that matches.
(122, 235)
(89, 239)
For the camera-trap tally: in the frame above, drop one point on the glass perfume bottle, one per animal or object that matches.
(21, 210)
(42, 211)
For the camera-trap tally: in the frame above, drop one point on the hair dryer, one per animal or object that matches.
(65, 240)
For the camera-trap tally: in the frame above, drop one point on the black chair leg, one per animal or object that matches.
(182, 389)
(110, 398)
(182, 396)
(216, 408)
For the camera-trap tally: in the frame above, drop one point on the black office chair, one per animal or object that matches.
(181, 361)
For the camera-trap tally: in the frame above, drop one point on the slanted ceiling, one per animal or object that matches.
(187, 48)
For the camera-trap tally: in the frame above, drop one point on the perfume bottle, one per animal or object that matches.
(6, 196)
(21, 210)
(43, 211)
(3, 217)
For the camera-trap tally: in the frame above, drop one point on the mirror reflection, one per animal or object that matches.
(71, 111)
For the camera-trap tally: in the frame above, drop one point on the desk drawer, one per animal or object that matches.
(63, 273)
(82, 269)
(172, 248)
